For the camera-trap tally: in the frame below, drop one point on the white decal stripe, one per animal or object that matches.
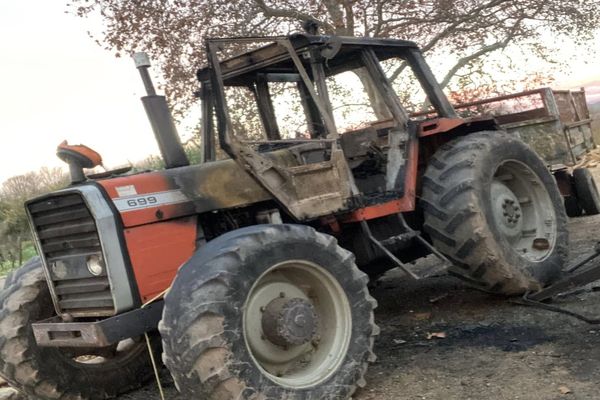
(149, 200)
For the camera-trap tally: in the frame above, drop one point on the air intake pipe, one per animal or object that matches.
(160, 118)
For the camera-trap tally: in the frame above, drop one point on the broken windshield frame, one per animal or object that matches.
(304, 66)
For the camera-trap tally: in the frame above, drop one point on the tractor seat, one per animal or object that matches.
(81, 155)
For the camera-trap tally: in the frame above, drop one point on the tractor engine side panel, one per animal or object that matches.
(158, 250)
(151, 197)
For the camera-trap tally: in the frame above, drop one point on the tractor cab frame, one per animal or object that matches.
(320, 173)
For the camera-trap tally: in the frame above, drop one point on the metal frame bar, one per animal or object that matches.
(371, 63)
(319, 101)
(265, 108)
(208, 134)
(55, 333)
(425, 76)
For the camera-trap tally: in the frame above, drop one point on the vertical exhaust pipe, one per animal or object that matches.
(160, 118)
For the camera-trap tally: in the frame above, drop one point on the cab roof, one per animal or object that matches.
(273, 58)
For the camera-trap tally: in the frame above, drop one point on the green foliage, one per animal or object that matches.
(15, 236)
(28, 251)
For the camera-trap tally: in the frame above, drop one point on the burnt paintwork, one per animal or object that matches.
(210, 186)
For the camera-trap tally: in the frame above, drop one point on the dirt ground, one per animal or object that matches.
(487, 347)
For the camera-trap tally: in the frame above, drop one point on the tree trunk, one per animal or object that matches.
(20, 247)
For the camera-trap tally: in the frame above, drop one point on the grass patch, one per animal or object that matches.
(28, 252)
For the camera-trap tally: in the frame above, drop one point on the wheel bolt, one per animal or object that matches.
(262, 309)
(281, 294)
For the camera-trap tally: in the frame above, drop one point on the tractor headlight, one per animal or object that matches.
(95, 265)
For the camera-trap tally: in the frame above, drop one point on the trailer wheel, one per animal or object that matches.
(269, 312)
(572, 207)
(587, 191)
(492, 206)
(52, 373)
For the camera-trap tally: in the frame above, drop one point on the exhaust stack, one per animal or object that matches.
(160, 118)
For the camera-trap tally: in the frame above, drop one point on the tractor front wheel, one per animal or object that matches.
(54, 373)
(269, 312)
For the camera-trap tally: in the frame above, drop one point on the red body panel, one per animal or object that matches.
(160, 228)
(157, 251)
(407, 202)
(148, 184)
(439, 125)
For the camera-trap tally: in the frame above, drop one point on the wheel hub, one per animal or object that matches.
(289, 322)
(507, 210)
(297, 323)
(511, 211)
(523, 210)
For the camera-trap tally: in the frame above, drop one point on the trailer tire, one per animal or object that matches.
(213, 345)
(493, 208)
(49, 373)
(587, 191)
(572, 207)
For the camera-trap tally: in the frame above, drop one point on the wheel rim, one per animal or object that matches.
(312, 357)
(523, 210)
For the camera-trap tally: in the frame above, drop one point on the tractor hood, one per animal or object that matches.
(161, 195)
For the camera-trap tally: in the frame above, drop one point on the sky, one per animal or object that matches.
(56, 83)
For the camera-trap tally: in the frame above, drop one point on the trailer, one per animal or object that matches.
(555, 123)
(558, 126)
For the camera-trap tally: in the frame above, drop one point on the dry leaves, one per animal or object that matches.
(564, 390)
(589, 160)
(422, 316)
(436, 335)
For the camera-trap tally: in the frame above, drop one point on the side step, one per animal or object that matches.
(410, 270)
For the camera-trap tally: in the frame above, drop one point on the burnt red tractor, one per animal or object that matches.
(268, 251)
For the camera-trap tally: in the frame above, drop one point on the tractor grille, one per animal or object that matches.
(68, 238)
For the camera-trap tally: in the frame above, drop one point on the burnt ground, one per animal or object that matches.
(492, 349)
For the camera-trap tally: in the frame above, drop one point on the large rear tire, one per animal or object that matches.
(51, 373)
(269, 312)
(492, 206)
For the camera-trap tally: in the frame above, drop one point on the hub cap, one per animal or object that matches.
(289, 322)
(523, 211)
(297, 324)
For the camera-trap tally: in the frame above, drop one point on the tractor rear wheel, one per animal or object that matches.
(492, 206)
(269, 312)
(53, 373)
